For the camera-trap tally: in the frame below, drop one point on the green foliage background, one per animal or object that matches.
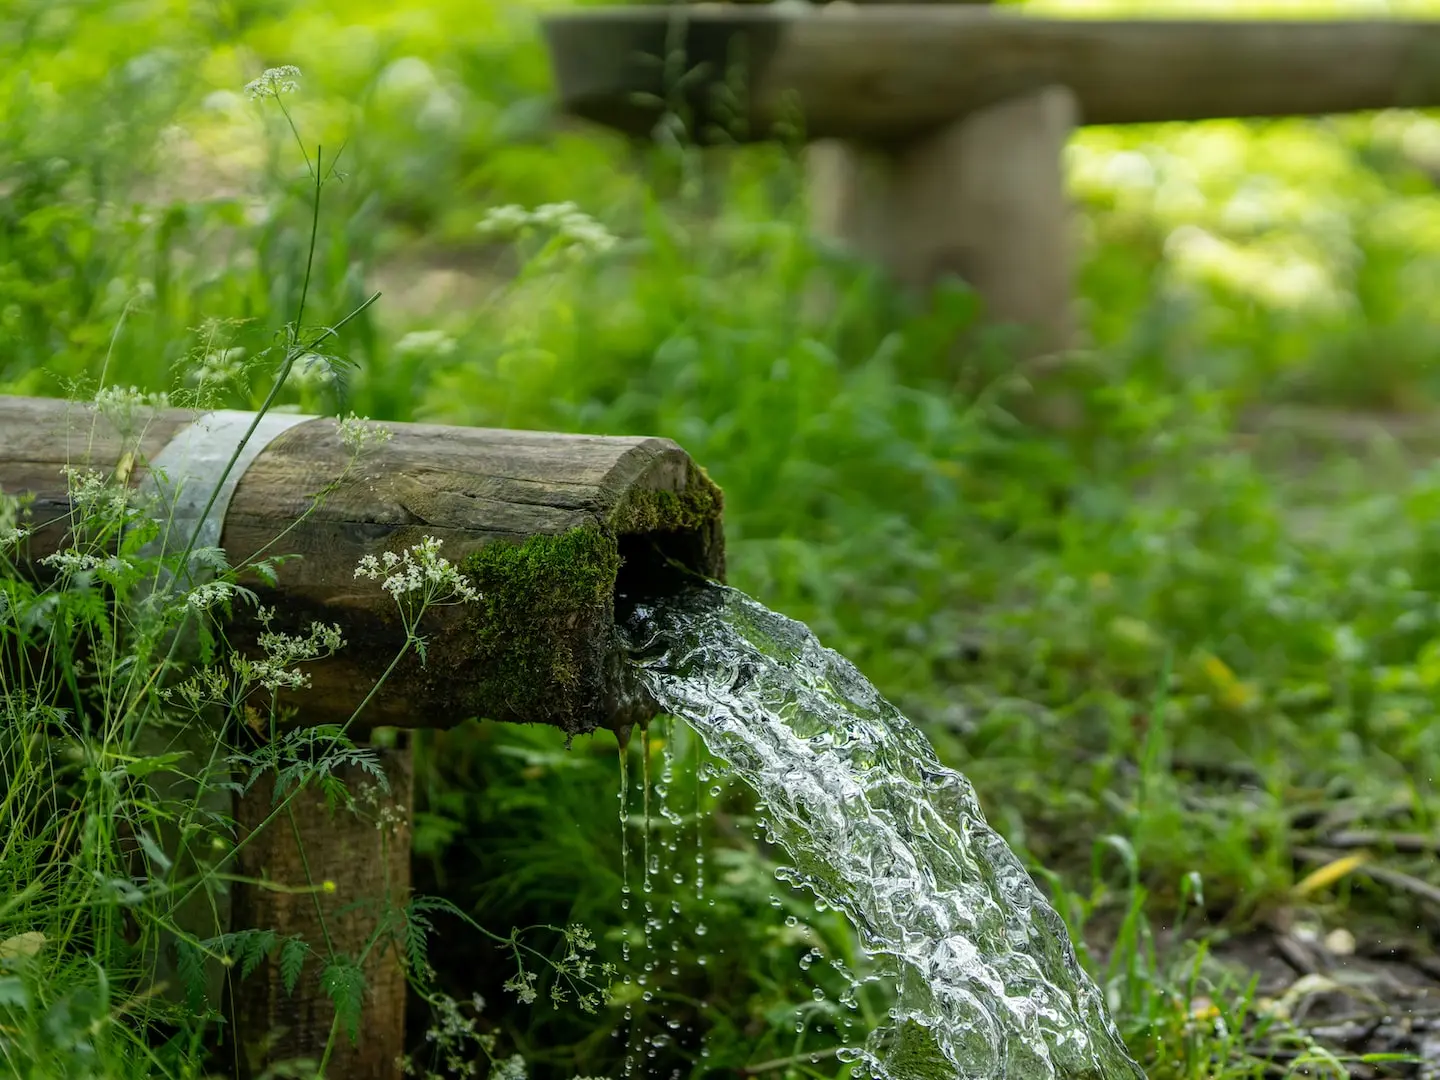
(1162, 629)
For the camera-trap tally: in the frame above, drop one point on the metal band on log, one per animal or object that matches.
(551, 528)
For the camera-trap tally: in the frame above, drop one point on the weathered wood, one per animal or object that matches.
(342, 875)
(472, 488)
(551, 527)
(896, 71)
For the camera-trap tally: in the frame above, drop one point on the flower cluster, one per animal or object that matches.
(455, 1042)
(92, 495)
(522, 985)
(419, 577)
(273, 82)
(220, 366)
(275, 671)
(78, 562)
(204, 597)
(120, 404)
(425, 343)
(356, 433)
(389, 815)
(205, 686)
(572, 229)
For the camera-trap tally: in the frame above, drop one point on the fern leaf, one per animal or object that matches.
(292, 959)
(344, 984)
(190, 965)
(255, 947)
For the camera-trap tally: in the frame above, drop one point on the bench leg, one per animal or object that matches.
(982, 198)
(367, 856)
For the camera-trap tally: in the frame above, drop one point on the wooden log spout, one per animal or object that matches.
(547, 526)
(550, 529)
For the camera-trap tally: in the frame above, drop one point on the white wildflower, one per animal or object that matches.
(121, 404)
(204, 597)
(522, 984)
(512, 1068)
(425, 343)
(576, 232)
(273, 82)
(209, 685)
(274, 672)
(418, 577)
(357, 432)
(93, 495)
(219, 366)
(12, 536)
(390, 817)
(71, 562)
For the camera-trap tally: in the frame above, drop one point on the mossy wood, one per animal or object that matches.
(549, 526)
(893, 72)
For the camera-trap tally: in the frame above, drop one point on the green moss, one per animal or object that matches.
(536, 646)
(645, 511)
(538, 637)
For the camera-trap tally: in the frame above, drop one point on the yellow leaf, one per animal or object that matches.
(1217, 671)
(1330, 873)
(21, 946)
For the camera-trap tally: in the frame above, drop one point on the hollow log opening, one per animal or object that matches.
(553, 530)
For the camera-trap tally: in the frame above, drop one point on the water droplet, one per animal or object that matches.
(791, 920)
(818, 994)
(746, 679)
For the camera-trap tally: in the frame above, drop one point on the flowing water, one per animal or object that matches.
(988, 985)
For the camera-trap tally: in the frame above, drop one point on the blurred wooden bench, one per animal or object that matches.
(936, 132)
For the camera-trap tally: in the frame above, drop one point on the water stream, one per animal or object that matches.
(988, 985)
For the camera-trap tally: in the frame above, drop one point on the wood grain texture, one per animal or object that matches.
(891, 72)
(364, 854)
(307, 495)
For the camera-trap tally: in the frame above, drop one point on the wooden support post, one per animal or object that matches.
(552, 529)
(981, 198)
(342, 872)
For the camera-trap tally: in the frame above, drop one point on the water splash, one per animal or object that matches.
(987, 981)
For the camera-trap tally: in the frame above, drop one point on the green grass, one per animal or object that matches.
(1176, 666)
